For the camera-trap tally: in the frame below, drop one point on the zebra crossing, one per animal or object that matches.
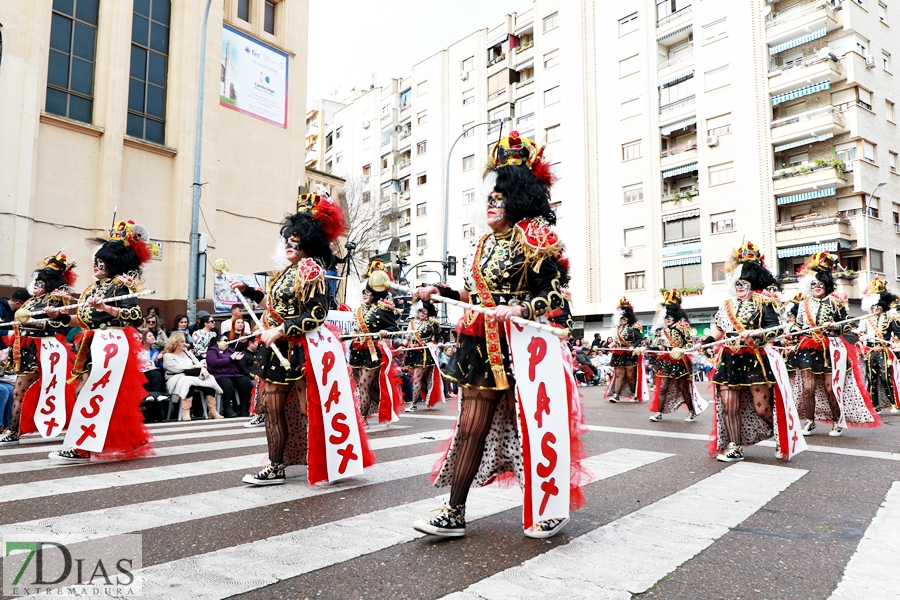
(638, 546)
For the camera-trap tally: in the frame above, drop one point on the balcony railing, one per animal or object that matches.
(678, 150)
(676, 60)
(682, 242)
(677, 104)
(524, 46)
(677, 197)
(797, 13)
(805, 63)
(813, 220)
(806, 116)
(496, 60)
(675, 15)
(835, 164)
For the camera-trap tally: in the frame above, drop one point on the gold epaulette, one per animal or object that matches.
(538, 240)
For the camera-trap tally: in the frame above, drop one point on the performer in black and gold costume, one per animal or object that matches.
(51, 287)
(789, 342)
(371, 360)
(424, 328)
(628, 335)
(674, 382)
(878, 332)
(516, 270)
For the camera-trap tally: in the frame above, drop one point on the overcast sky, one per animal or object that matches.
(351, 39)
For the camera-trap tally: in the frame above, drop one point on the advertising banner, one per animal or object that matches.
(254, 78)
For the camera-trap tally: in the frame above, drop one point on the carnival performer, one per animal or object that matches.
(626, 365)
(672, 368)
(51, 288)
(371, 358)
(296, 304)
(818, 349)
(878, 333)
(109, 355)
(516, 270)
(744, 378)
(789, 342)
(424, 329)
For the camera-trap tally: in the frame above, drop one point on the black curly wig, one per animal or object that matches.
(312, 237)
(885, 300)
(826, 278)
(760, 278)
(53, 279)
(429, 308)
(628, 313)
(526, 195)
(119, 258)
(795, 308)
(676, 313)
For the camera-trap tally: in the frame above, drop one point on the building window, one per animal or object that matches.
(421, 209)
(869, 151)
(877, 260)
(629, 66)
(468, 97)
(497, 83)
(553, 133)
(422, 147)
(468, 162)
(885, 60)
(676, 91)
(551, 59)
(468, 231)
(386, 190)
(149, 63)
(718, 272)
(714, 31)
(422, 179)
(556, 170)
(366, 196)
(720, 174)
(422, 240)
(889, 109)
(551, 22)
(847, 153)
(683, 276)
(467, 65)
(882, 16)
(70, 73)
(719, 125)
(551, 96)
(366, 144)
(422, 88)
(243, 10)
(468, 129)
(631, 150)
(339, 158)
(635, 237)
(861, 47)
(269, 18)
(328, 167)
(630, 108)
(874, 207)
(633, 193)
(367, 170)
(634, 281)
(468, 197)
(716, 78)
(384, 162)
(681, 230)
(795, 160)
(722, 222)
(892, 161)
(422, 118)
(338, 133)
(628, 24)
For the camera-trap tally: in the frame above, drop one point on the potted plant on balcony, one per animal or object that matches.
(846, 274)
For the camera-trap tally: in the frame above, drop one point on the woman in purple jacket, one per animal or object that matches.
(223, 362)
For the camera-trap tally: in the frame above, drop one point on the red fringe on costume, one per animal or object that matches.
(435, 394)
(128, 438)
(33, 394)
(392, 389)
(317, 467)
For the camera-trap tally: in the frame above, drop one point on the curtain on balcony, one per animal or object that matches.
(679, 170)
(675, 77)
(810, 140)
(807, 250)
(797, 41)
(807, 196)
(800, 92)
(667, 129)
(675, 262)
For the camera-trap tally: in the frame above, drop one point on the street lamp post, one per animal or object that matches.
(866, 229)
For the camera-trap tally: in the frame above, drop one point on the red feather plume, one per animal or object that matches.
(331, 218)
(141, 250)
(69, 276)
(543, 170)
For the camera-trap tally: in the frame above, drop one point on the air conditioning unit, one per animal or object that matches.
(404, 221)
(463, 75)
(422, 250)
(366, 124)
(870, 62)
(712, 140)
(625, 251)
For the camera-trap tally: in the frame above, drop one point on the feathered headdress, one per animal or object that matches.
(327, 213)
(58, 264)
(624, 310)
(125, 249)
(671, 307)
(818, 267)
(877, 294)
(517, 150)
(749, 263)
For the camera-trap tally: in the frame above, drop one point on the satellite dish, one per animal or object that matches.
(767, 11)
(824, 53)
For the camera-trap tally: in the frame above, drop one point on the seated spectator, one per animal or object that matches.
(204, 336)
(584, 365)
(8, 308)
(185, 376)
(7, 382)
(238, 329)
(180, 325)
(223, 363)
(237, 312)
(151, 366)
(154, 324)
(400, 362)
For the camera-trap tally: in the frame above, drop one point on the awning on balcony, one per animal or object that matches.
(807, 250)
(525, 65)
(675, 262)
(809, 140)
(804, 91)
(679, 170)
(674, 33)
(675, 77)
(797, 41)
(823, 193)
(685, 214)
(667, 129)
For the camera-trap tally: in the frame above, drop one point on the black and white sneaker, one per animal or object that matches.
(9, 438)
(836, 431)
(656, 417)
(411, 407)
(692, 416)
(613, 399)
(809, 427)
(546, 529)
(69, 456)
(450, 522)
(733, 453)
(258, 420)
(273, 474)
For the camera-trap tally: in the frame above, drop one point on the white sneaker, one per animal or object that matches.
(656, 417)
(545, 529)
(692, 416)
(808, 427)
(836, 431)
(895, 410)
(69, 456)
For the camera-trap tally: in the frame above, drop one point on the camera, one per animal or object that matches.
(350, 246)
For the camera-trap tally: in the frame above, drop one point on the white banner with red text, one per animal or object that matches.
(50, 417)
(838, 353)
(790, 438)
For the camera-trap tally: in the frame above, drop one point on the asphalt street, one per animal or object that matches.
(662, 518)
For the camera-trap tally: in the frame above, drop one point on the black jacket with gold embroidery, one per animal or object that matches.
(297, 299)
(129, 311)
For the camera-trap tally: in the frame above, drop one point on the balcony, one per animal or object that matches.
(524, 86)
(681, 247)
(404, 139)
(496, 60)
(392, 172)
(311, 157)
(673, 109)
(681, 58)
(814, 227)
(672, 156)
(405, 197)
(678, 197)
(405, 107)
(809, 177)
(790, 22)
(523, 47)
(672, 20)
(390, 116)
(809, 124)
(402, 167)
(814, 70)
(389, 144)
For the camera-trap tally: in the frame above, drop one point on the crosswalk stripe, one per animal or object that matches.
(663, 535)
(131, 518)
(198, 422)
(872, 571)
(85, 483)
(234, 570)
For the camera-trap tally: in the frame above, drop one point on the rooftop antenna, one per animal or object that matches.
(374, 80)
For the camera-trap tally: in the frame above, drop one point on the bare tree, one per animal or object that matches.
(364, 225)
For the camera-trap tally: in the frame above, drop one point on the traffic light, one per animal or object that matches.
(451, 266)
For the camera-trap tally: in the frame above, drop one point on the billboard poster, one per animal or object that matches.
(254, 78)
(223, 295)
